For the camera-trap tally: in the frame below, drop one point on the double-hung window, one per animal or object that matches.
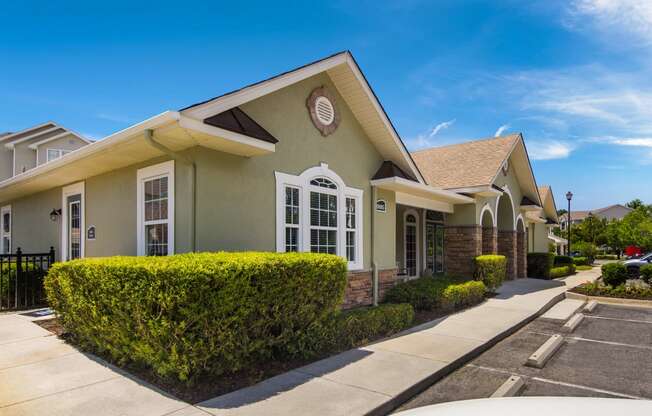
(156, 210)
(317, 212)
(53, 154)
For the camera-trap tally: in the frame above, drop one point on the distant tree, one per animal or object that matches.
(613, 236)
(561, 212)
(636, 229)
(634, 204)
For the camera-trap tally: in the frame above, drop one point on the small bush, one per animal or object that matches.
(539, 265)
(563, 260)
(614, 274)
(620, 291)
(189, 314)
(606, 257)
(491, 270)
(562, 271)
(349, 329)
(441, 292)
(581, 261)
(581, 267)
(646, 273)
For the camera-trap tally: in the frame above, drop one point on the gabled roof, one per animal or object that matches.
(464, 165)
(39, 134)
(388, 169)
(580, 215)
(548, 203)
(351, 84)
(238, 121)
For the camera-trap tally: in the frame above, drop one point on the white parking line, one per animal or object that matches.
(619, 319)
(559, 383)
(619, 344)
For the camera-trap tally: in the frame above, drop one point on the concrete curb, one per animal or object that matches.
(509, 388)
(590, 307)
(640, 303)
(419, 387)
(545, 352)
(573, 323)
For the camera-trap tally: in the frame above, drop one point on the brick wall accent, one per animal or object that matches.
(507, 248)
(461, 245)
(489, 240)
(521, 254)
(359, 287)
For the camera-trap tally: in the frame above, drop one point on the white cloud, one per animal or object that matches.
(501, 130)
(423, 140)
(549, 149)
(439, 127)
(627, 16)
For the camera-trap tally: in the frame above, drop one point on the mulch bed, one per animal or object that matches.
(205, 388)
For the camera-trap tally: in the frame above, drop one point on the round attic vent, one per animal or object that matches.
(323, 113)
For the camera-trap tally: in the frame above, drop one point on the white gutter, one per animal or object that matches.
(418, 189)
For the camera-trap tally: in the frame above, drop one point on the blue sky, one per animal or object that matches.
(573, 76)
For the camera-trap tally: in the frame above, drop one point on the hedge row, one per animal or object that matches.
(581, 261)
(539, 265)
(620, 291)
(193, 314)
(563, 260)
(441, 292)
(562, 271)
(491, 270)
(606, 257)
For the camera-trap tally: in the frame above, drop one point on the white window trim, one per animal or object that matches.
(416, 241)
(70, 190)
(3, 234)
(302, 182)
(148, 173)
(61, 153)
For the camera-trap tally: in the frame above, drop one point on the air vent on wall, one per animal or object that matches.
(323, 111)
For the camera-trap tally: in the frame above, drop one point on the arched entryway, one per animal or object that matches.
(521, 248)
(506, 222)
(489, 234)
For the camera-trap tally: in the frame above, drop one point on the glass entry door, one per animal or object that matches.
(74, 227)
(434, 247)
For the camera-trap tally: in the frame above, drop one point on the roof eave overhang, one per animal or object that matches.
(484, 190)
(527, 208)
(421, 190)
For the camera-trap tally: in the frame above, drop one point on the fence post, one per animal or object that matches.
(51, 256)
(19, 272)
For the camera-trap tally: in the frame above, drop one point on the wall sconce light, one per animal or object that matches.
(54, 215)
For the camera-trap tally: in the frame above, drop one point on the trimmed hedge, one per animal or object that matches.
(614, 274)
(581, 261)
(539, 265)
(491, 269)
(562, 271)
(441, 292)
(645, 273)
(353, 328)
(620, 291)
(199, 313)
(606, 257)
(563, 260)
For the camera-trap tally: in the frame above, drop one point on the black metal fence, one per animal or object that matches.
(21, 279)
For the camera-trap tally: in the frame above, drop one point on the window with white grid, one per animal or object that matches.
(292, 218)
(156, 210)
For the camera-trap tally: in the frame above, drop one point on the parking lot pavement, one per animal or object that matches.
(608, 355)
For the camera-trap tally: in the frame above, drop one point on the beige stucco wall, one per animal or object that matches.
(540, 237)
(32, 229)
(6, 163)
(25, 158)
(69, 142)
(384, 231)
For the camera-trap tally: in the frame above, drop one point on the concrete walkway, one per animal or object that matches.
(375, 379)
(40, 374)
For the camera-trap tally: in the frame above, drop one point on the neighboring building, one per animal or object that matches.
(304, 161)
(550, 213)
(611, 212)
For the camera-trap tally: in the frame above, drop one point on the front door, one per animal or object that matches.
(74, 230)
(434, 247)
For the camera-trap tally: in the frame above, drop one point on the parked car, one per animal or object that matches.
(634, 264)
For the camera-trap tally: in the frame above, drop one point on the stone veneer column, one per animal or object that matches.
(359, 287)
(489, 240)
(521, 256)
(461, 245)
(507, 248)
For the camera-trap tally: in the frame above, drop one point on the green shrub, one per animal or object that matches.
(349, 329)
(606, 257)
(646, 273)
(189, 314)
(562, 271)
(586, 249)
(614, 274)
(539, 265)
(491, 270)
(583, 267)
(581, 261)
(620, 291)
(441, 292)
(563, 260)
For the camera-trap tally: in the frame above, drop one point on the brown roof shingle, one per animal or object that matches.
(474, 163)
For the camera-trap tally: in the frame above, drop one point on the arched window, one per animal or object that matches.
(317, 212)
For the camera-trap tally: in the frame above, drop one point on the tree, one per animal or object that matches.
(613, 236)
(636, 229)
(592, 229)
(634, 204)
(561, 212)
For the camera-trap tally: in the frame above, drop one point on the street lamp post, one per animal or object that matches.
(569, 196)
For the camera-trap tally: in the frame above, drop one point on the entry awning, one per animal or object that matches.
(558, 240)
(420, 195)
(128, 147)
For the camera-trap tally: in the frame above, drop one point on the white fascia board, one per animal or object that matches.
(31, 136)
(193, 124)
(95, 147)
(421, 190)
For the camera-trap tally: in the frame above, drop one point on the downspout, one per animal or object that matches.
(374, 266)
(149, 138)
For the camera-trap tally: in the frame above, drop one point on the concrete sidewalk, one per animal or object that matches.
(42, 375)
(377, 378)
